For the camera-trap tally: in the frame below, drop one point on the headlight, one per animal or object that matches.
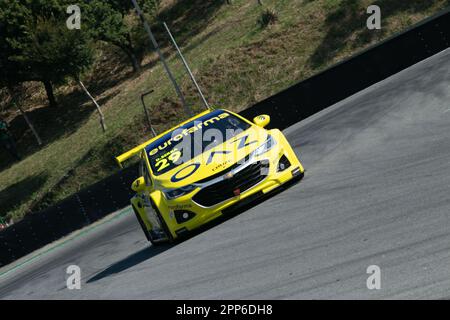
(176, 193)
(266, 146)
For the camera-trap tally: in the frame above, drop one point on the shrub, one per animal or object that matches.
(268, 16)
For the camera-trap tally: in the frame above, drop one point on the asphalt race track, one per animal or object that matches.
(376, 192)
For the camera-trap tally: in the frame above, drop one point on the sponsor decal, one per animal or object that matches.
(187, 132)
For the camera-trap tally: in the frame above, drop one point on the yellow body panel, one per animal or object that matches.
(273, 178)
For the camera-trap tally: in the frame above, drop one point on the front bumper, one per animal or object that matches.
(198, 214)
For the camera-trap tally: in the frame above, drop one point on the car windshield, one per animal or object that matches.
(192, 139)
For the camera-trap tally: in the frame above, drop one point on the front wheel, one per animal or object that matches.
(142, 224)
(157, 235)
(165, 235)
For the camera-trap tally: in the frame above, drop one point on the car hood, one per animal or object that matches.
(213, 160)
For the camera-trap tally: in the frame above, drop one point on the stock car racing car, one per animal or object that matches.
(214, 161)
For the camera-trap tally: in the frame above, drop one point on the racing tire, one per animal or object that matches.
(164, 226)
(142, 224)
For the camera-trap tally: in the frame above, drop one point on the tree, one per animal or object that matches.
(111, 22)
(16, 96)
(36, 45)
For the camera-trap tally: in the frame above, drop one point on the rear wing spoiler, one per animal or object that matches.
(131, 153)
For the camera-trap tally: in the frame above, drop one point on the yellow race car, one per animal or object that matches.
(207, 165)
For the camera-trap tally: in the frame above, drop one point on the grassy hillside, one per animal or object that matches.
(236, 60)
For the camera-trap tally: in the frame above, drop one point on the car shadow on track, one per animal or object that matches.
(131, 261)
(152, 251)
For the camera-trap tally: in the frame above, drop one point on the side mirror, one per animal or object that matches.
(138, 185)
(262, 120)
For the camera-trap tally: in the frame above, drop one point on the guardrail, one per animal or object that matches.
(285, 108)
